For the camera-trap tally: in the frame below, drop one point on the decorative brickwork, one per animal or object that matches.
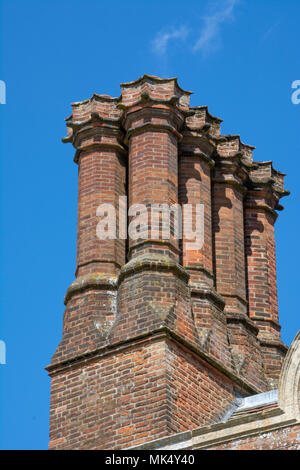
(159, 336)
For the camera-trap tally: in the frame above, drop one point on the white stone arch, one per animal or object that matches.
(289, 383)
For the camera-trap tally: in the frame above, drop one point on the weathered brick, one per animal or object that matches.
(159, 337)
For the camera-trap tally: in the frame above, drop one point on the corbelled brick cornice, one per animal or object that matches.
(157, 89)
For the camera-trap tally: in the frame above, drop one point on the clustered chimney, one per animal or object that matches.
(159, 337)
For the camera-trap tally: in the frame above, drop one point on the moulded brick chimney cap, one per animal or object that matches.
(205, 108)
(155, 79)
(95, 96)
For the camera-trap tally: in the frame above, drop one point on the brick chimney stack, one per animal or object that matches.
(160, 335)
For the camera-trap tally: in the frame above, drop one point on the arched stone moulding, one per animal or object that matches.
(289, 384)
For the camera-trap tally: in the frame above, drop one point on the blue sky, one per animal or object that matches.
(239, 57)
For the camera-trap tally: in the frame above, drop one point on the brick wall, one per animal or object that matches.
(143, 392)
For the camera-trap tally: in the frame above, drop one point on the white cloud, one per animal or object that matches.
(161, 41)
(212, 24)
(270, 31)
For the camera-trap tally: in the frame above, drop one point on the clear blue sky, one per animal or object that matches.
(239, 57)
